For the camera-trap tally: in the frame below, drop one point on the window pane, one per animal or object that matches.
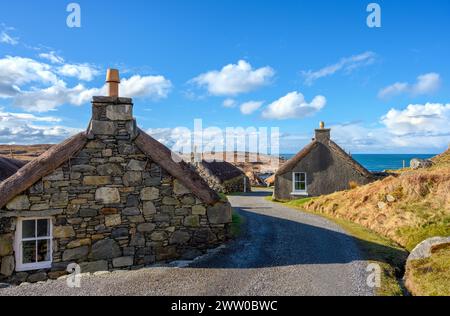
(302, 186)
(43, 228)
(302, 176)
(43, 250)
(29, 252)
(28, 229)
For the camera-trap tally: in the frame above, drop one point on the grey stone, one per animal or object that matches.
(123, 262)
(191, 254)
(149, 194)
(424, 249)
(19, 203)
(420, 163)
(39, 207)
(75, 253)
(146, 227)
(192, 221)
(132, 200)
(148, 208)
(158, 236)
(136, 165)
(37, 277)
(56, 175)
(107, 195)
(132, 178)
(390, 198)
(119, 112)
(198, 210)
(94, 266)
(105, 249)
(102, 128)
(83, 169)
(220, 213)
(7, 267)
(179, 188)
(96, 180)
(109, 169)
(168, 200)
(137, 240)
(131, 211)
(120, 233)
(180, 237)
(88, 212)
(60, 199)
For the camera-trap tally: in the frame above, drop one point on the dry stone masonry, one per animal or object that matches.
(112, 206)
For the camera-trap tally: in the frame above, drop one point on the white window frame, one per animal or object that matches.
(299, 192)
(18, 249)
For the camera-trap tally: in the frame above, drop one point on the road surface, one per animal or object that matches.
(280, 252)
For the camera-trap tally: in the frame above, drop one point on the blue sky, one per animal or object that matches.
(290, 64)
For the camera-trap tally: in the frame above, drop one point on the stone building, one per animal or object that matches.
(223, 177)
(108, 198)
(322, 167)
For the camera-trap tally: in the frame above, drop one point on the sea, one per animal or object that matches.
(381, 162)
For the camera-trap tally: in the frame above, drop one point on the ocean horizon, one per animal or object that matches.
(381, 162)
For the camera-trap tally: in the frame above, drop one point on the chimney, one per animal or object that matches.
(323, 134)
(112, 116)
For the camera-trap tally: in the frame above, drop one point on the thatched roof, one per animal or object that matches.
(57, 155)
(223, 170)
(290, 164)
(9, 166)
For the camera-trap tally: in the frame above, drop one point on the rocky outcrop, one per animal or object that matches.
(420, 163)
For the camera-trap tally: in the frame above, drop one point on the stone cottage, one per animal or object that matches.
(108, 198)
(223, 177)
(322, 167)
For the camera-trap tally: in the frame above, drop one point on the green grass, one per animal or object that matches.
(375, 248)
(236, 224)
(430, 276)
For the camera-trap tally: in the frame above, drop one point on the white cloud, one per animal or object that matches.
(229, 103)
(7, 39)
(234, 79)
(248, 108)
(425, 84)
(52, 57)
(24, 128)
(155, 87)
(83, 72)
(293, 105)
(347, 65)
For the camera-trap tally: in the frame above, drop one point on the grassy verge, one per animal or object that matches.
(430, 276)
(375, 248)
(236, 224)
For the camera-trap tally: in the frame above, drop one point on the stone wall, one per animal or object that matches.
(113, 208)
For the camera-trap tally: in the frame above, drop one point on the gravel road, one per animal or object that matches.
(280, 252)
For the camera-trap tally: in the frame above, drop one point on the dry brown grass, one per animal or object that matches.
(26, 152)
(407, 208)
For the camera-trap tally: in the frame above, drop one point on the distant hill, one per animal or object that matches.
(23, 152)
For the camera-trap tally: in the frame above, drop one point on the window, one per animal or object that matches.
(33, 244)
(299, 183)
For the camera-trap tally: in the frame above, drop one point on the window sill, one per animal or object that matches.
(34, 266)
(300, 193)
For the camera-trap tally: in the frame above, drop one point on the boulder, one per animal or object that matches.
(7, 267)
(148, 208)
(420, 163)
(180, 237)
(105, 249)
(219, 213)
(75, 253)
(123, 262)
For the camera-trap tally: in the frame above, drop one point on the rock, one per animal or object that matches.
(119, 233)
(192, 221)
(7, 267)
(107, 152)
(109, 211)
(107, 195)
(110, 169)
(55, 275)
(425, 248)
(149, 194)
(191, 254)
(75, 253)
(131, 211)
(136, 219)
(168, 200)
(159, 236)
(87, 212)
(39, 207)
(94, 266)
(113, 220)
(219, 213)
(198, 210)
(96, 180)
(146, 227)
(57, 175)
(102, 128)
(6, 245)
(180, 237)
(19, 203)
(420, 163)
(188, 200)
(63, 232)
(137, 240)
(123, 262)
(132, 178)
(37, 277)
(60, 199)
(105, 249)
(390, 198)
(381, 205)
(136, 165)
(87, 169)
(119, 112)
(78, 243)
(179, 189)
(132, 201)
(148, 208)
